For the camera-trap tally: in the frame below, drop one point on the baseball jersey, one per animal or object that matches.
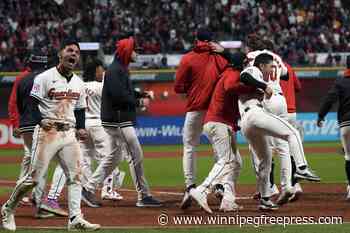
(254, 97)
(58, 97)
(279, 68)
(93, 91)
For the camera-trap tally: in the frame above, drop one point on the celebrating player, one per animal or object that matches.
(59, 95)
(118, 115)
(196, 77)
(220, 127)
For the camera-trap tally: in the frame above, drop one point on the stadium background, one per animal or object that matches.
(312, 35)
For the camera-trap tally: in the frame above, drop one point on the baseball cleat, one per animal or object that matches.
(267, 205)
(284, 197)
(201, 198)
(25, 201)
(306, 174)
(109, 194)
(8, 219)
(219, 191)
(80, 224)
(187, 199)
(90, 198)
(274, 190)
(148, 201)
(297, 193)
(229, 206)
(42, 214)
(52, 206)
(348, 193)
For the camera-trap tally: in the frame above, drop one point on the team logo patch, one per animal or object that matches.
(36, 87)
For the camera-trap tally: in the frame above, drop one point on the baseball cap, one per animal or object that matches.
(69, 41)
(204, 34)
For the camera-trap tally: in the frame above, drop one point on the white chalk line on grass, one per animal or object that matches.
(10, 182)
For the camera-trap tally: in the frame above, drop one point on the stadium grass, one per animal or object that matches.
(341, 228)
(167, 171)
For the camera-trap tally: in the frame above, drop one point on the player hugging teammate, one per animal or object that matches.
(264, 123)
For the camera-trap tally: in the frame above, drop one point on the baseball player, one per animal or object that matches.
(258, 125)
(196, 77)
(35, 62)
(94, 146)
(59, 95)
(118, 115)
(340, 92)
(220, 127)
(28, 120)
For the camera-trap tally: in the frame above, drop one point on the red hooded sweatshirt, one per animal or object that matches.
(12, 104)
(223, 106)
(124, 50)
(289, 88)
(197, 75)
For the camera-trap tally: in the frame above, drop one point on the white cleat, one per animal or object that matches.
(348, 193)
(201, 198)
(80, 224)
(284, 197)
(229, 206)
(296, 193)
(8, 219)
(110, 194)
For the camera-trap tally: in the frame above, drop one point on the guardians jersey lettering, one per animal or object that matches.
(58, 97)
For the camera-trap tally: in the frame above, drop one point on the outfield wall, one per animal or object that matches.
(168, 130)
(162, 122)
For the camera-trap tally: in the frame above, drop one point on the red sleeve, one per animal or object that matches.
(182, 76)
(12, 105)
(232, 83)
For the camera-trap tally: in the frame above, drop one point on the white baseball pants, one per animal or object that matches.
(257, 126)
(47, 145)
(228, 165)
(115, 138)
(192, 131)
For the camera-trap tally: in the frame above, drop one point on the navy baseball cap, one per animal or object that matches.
(67, 42)
(204, 34)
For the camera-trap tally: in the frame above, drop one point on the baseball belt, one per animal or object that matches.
(59, 126)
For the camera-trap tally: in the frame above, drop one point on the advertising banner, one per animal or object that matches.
(168, 130)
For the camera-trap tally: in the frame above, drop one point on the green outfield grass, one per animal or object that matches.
(167, 172)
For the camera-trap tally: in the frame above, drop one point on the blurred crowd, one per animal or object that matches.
(298, 28)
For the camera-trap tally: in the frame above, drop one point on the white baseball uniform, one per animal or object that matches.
(94, 147)
(58, 98)
(277, 105)
(257, 126)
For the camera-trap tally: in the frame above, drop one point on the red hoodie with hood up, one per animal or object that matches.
(197, 75)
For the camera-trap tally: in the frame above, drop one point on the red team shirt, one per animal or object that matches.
(197, 75)
(12, 104)
(289, 88)
(223, 106)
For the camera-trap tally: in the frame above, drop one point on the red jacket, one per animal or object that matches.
(12, 104)
(223, 106)
(289, 88)
(197, 75)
